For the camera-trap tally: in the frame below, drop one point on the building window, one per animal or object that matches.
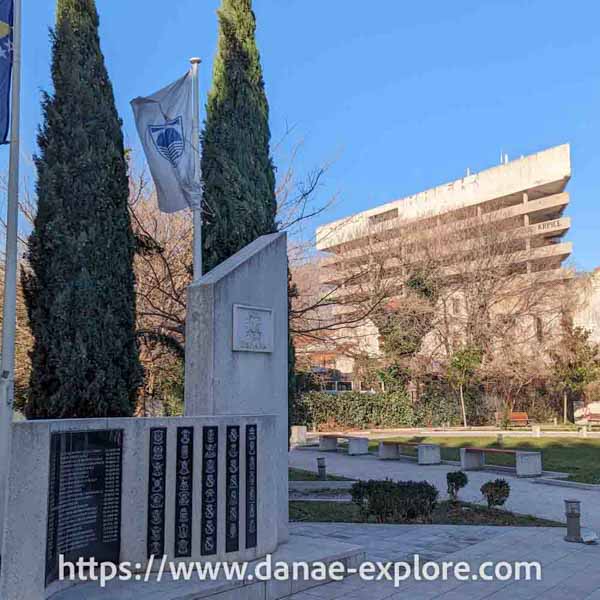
(384, 216)
(364, 387)
(539, 330)
(455, 306)
(337, 386)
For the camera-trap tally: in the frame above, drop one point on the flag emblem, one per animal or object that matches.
(169, 139)
(164, 122)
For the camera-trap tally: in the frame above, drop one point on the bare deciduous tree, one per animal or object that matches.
(443, 285)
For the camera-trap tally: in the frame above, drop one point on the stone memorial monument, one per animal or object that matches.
(211, 485)
(237, 325)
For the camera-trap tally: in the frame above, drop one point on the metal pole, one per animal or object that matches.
(196, 211)
(9, 315)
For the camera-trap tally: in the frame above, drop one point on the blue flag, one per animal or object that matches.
(6, 60)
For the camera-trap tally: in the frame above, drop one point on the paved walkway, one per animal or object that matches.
(568, 571)
(526, 497)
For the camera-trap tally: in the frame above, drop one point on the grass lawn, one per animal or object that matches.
(578, 457)
(446, 513)
(302, 475)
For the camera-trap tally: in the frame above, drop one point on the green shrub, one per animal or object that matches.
(496, 492)
(439, 405)
(351, 410)
(436, 407)
(390, 501)
(505, 419)
(456, 481)
(544, 408)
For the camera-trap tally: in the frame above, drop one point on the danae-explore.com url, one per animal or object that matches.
(89, 569)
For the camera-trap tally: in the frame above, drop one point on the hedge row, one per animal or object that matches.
(353, 410)
(350, 410)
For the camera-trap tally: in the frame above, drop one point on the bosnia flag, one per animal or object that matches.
(6, 60)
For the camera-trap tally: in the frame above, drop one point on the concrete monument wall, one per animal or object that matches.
(188, 488)
(237, 346)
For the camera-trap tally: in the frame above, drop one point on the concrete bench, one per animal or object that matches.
(427, 454)
(356, 445)
(528, 464)
(298, 435)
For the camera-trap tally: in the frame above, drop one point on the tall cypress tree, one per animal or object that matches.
(237, 170)
(80, 287)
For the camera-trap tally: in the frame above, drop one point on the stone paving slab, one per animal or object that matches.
(526, 497)
(569, 571)
(299, 548)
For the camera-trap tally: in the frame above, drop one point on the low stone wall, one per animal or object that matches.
(190, 488)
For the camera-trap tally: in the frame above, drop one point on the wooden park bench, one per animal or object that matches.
(328, 442)
(427, 454)
(528, 464)
(519, 418)
(514, 418)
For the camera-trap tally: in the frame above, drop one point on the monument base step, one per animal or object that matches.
(299, 549)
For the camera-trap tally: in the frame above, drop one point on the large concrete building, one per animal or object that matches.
(525, 196)
(525, 199)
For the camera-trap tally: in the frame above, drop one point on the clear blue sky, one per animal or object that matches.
(404, 95)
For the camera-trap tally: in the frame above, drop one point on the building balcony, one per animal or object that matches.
(339, 268)
(545, 212)
(545, 263)
(539, 175)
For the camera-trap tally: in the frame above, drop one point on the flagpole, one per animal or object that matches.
(9, 316)
(196, 211)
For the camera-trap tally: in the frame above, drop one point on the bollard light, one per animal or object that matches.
(573, 514)
(322, 468)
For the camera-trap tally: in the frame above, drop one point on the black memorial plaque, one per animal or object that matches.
(251, 486)
(184, 486)
(84, 497)
(156, 491)
(232, 489)
(210, 477)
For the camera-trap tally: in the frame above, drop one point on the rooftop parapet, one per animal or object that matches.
(543, 173)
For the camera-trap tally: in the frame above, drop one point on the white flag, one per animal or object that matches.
(164, 123)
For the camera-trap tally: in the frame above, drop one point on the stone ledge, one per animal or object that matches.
(320, 485)
(567, 484)
(300, 548)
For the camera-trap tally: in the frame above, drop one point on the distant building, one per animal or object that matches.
(525, 195)
(525, 198)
